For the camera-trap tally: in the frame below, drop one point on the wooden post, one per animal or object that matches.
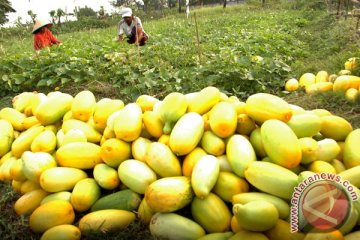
(137, 39)
(347, 8)
(197, 38)
(338, 9)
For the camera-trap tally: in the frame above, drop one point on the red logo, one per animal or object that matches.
(325, 206)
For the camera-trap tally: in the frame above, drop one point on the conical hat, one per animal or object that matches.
(39, 24)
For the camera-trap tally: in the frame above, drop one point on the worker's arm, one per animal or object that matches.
(37, 43)
(121, 38)
(140, 35)
(52, 38)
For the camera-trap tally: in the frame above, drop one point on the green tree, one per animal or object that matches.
(59, 13)
(85, 12)
(52, 14)
(32, 15)
(5, 8)
(101, 12)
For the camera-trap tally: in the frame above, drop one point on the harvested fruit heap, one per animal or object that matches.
(233, 164)
(344, 81)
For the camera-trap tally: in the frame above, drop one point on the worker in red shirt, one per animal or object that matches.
(43, 36)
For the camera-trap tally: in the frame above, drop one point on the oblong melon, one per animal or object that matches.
(280, 143)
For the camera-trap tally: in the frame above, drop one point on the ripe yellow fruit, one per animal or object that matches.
(34, 164)
(223, 119)
(292, 85)
(103, 109)
(6, 136)
(64, 195)
(319, 87)
(281, 143)
(256, 215)
(25, 139)
(128, 124)
(335, 127)
(204, 175)
(211, 213)
(146, 102)
(16, 118)
(44, 142)
(351, 156)
(113, 151)
(321, 76)
(186, 133)
(62, 232)
(169, 194)
(228, 184)
(307, 79)
(212, 144)
(351, 64)
(61, 178)
(321, 167)
(153, 124)
(162, 160)
(29, 186)
(53, 108)
(191, 159)
(246, 197)
(108, 220)
(309, 149)
(51, 214)
(204, 100)
(81, 155)
(271, 178)
(144, 212)
(30, 121)
(85, 194)
(239, 147)
(281, 232)
(136, 175)
(174, 226)
(264, 106)
(28, 202)
(83, 105)
(305, 125)
(171, 109)
(342, 83)
(17, 171)
(73, 135)
(352, 94)
(91, 134)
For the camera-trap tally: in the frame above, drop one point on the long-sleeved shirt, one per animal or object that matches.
(44, 39)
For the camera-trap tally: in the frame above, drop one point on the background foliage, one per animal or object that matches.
(242, 49)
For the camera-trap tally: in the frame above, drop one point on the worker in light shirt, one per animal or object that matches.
(43, 36)
(131, 27)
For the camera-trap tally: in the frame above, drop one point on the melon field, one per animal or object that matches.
(196, 135)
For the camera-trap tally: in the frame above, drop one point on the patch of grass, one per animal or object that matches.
(5, 101)
(12, 227)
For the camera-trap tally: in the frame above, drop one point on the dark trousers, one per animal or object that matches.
(132, 38)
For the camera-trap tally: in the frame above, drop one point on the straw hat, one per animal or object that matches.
(39, 24)
(126, 12)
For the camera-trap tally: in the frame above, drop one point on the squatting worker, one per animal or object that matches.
(42, 35)
(131, 26)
